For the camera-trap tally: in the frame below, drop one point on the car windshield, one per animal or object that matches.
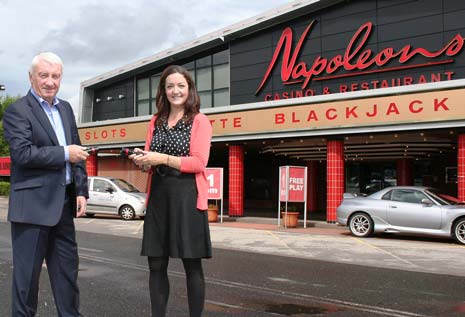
(442, 198)
(125, 186)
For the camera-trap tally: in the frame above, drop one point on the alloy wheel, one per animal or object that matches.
(361, 225)
(127, 212)
(459, 231)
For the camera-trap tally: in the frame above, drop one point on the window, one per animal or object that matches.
(143, 108)
(408, 196)
(102, 186)
(387, 196)
(221, 97)
(143, 91)
(205, 99)
(204, 86)
(210, 75)
(154, 84)
(221, 76)
(204, 79)
(143, 97)
(212, 79)
(204, 61)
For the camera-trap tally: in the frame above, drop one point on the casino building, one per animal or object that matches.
(365, 93)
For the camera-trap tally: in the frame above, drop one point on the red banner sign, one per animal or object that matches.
(215, 182)
(292, 183)
(282, 183)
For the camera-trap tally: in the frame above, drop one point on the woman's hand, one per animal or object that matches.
(147, 158)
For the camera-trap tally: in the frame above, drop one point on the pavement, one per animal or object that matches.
(316, 226)
(319, 241)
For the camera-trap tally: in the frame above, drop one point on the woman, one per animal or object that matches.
(176, 225)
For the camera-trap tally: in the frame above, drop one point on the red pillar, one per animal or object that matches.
(312, 179)
(92, 165)
(404, 172)
(334, 178)
(236, 180)
(461, 167)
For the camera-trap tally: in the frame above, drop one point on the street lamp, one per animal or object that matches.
(2, 87)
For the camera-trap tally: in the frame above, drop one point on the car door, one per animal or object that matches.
(405, 209)
(103, 196)
(91, 200)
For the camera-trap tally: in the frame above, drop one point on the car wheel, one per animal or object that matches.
(361, 225)
(459, 231)
(127, 212)
(89, 215)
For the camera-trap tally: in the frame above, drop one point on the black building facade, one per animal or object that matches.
(375, 83)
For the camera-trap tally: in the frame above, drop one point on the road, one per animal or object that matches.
(277, 273)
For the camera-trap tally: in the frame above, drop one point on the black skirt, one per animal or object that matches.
(173, 225)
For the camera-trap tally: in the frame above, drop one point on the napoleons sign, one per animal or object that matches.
(356, 60)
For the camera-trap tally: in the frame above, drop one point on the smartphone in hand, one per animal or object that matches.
(125, 152)
(91, 150)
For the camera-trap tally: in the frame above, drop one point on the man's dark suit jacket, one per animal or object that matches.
(38, 170)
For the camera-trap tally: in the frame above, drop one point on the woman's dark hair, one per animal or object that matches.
(192, 105)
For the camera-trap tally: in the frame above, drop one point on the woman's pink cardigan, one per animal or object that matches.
(197, 160)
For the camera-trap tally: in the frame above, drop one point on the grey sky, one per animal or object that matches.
(96, 36)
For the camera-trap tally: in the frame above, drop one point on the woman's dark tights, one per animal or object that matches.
(160, 286)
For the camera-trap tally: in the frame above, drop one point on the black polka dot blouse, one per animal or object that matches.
(172, 141)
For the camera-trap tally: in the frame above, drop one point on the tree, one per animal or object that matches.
(5, 101)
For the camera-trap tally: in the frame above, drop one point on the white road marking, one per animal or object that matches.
(386, 252)
(140, 226)
(266, 290)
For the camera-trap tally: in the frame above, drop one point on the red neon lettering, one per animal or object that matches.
(351, 112)
(237, 122)
(328, 114)
(392, 109)
(279, 118)
(355, 58)
(287, 66)
(312, 116)
(374, 113)
(294, 119)
(449, 75)
(442, 104)
(408, 80)
(422, 79)
(411, 106)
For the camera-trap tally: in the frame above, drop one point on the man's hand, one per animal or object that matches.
(81, 203)
(77, 153)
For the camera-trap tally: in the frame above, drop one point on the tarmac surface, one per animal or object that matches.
(319, 241)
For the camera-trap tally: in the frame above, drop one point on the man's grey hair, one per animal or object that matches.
(48, 57)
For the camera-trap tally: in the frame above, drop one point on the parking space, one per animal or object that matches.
(112, 225)
(320, 241)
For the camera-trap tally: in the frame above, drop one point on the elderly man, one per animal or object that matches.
(48, 188)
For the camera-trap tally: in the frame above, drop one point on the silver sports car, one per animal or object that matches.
(404, 209)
